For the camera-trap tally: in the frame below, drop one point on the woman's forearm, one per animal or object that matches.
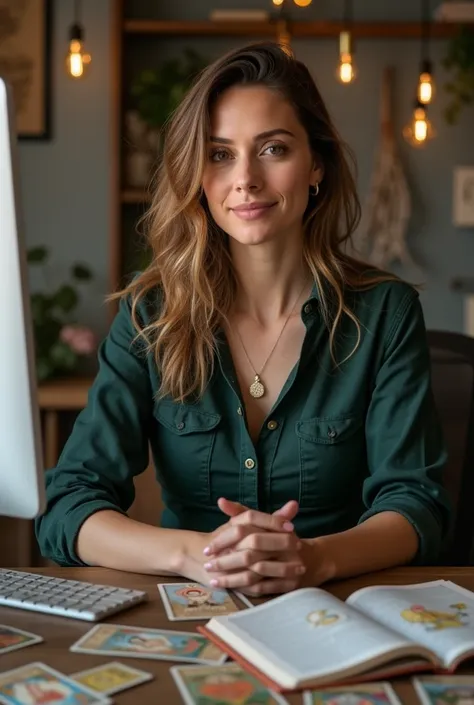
(111, 540)
(382, 541)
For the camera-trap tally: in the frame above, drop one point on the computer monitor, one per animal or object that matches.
(21, 465)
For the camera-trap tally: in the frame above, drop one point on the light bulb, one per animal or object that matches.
(419, 130)
(346, 70)
(77, 59)
(278, 2)
(302, 3)
(425, 90)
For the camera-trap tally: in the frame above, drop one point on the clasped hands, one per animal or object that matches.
(258, 553)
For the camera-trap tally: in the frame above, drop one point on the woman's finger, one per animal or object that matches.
(234, 533)
(288, 543)
(270, 587)
(261, 520)
(235, 560)
(278, 569)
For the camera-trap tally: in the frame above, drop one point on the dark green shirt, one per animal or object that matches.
(347, 442)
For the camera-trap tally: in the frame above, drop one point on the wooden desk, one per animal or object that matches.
(60, 633)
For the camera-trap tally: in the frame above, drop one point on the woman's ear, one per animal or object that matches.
(317, 174)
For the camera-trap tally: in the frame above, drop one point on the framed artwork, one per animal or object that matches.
(463, 196)
(25, 62)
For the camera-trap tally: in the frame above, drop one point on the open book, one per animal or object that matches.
(309, 638)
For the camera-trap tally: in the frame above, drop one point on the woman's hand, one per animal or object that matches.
(256, 552)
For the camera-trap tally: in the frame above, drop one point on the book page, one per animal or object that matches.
(308, 633)
(438, 614)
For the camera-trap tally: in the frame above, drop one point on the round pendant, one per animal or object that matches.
(257, 389)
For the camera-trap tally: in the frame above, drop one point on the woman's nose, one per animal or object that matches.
(247, 176)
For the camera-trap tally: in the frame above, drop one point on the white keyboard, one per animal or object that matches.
(66, 598)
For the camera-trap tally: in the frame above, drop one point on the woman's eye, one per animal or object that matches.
(218, 155)
(276, 149)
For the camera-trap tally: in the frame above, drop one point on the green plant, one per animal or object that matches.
(158, 92)
(459, 60)
(59, 343)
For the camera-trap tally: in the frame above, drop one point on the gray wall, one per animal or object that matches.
(66, 181)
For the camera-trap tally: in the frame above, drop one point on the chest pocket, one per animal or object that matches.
(332, 455)
(184, 444)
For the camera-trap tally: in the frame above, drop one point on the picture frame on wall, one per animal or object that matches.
(463, 196)
(25, 63)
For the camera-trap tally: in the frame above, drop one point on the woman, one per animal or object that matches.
(283, 386)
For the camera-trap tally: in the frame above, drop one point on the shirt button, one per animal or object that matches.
(272, 425)
(308, 308)
(239, 411)
(332, 433)
(180, 426)
(250, 464)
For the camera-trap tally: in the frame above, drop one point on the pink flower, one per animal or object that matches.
(79, 338)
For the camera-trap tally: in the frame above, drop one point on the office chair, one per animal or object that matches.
(452, 369)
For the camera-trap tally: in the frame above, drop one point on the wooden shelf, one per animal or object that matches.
(374, 30)
(135, 196)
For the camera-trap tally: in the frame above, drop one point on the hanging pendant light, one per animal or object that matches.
(425, 90)
(346, 72)
(419, 130)
(77, 60)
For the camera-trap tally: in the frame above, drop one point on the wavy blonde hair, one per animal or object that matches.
(191, 265)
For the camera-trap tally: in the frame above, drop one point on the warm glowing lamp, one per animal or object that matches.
(419, 130)
(77, 60)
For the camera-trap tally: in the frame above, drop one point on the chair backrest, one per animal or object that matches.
(452, 368)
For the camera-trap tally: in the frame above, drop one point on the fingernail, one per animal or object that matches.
(214, 582)
(208, 566)
(301, 569)
(207, 550)
(288, 526)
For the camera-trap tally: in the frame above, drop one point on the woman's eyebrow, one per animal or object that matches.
(261, 136)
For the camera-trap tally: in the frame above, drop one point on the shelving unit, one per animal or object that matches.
(375, 30)
(128, 204)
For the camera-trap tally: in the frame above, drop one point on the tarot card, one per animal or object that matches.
(38, 684)
(360, 694)
(111, 677)
(243, 598)
(12, 639)
(194, 601)
(437, 690)
(223, 685)
(139, 642)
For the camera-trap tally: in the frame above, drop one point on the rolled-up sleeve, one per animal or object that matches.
(107, 447)
(405, 447)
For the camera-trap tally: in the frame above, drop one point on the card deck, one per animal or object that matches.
(361, 694)
(449, 690)
(194, 601)
(112, 677)
(141, 642)
(228, 684)
(38, 684)
(12, 639)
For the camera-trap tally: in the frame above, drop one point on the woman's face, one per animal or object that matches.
(258, 156)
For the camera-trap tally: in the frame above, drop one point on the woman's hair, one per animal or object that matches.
(191, 264)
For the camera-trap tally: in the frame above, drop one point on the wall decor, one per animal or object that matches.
(463, 196)
(25, 53)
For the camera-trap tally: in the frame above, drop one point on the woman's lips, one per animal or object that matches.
(253, 213)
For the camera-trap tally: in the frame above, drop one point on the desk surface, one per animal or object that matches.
(60, 633)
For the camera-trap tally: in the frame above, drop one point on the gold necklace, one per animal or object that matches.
(257, 388)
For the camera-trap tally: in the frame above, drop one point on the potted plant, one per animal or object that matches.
(60, 342)
(156, 93)
(459, 60)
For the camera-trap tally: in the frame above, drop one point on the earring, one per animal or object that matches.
(314, 190)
